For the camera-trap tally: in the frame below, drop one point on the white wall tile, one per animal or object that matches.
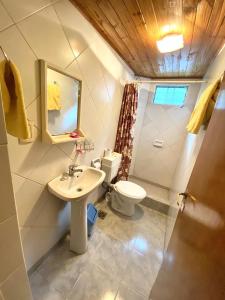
(165, 123)
(90, 68)
(38, 241)
(75, 71)
(111, 84)
(18, 182)
(171, 135)
(7, 205)
(12, 286)
(17, 285)
(150, 131)
(10, 247)
(19, 51)
(5, 19)
(101, 98)
(29, 200)
(45, 35)
(79, 32)
(36, 207)
(53, 163)
(23, 8)
(29, 154)
(110, 60)
(54, 212)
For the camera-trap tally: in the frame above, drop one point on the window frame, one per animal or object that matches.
(171, 86)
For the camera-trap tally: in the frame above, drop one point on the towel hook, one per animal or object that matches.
(5, 55)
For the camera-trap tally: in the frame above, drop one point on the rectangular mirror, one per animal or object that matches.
(61, 101)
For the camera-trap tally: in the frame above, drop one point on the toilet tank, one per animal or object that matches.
(110, 165)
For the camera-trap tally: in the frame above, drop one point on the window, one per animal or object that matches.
(170, 95)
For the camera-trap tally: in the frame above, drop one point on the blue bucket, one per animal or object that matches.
(92, 215)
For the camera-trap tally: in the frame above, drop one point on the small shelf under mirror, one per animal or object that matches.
(62, 138)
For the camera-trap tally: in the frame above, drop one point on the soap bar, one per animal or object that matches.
(74, 134)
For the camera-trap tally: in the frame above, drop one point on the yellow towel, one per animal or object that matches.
(13, 100)
(54, 99)
(203, 109)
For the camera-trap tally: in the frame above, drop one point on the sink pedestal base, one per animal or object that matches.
(78, 226)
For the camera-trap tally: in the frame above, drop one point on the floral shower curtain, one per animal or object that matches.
(124, 136)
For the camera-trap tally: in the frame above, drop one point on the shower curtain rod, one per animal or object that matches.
(168, 81)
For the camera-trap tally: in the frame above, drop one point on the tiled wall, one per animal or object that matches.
(56, 32)
(166, 123)
(13, 277)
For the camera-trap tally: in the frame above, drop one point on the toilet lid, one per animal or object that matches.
(130, 189)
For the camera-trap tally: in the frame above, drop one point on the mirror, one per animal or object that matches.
(61, 101)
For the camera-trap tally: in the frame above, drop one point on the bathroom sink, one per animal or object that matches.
(76, 190)
(78, 186)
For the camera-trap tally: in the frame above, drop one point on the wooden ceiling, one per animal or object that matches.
(132, 27)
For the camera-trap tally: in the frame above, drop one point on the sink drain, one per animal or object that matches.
(79, 190)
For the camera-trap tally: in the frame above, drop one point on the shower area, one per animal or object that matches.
(159, 137)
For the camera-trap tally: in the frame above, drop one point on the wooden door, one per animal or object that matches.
(194, 264)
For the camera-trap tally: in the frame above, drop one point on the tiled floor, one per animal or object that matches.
(122, 261)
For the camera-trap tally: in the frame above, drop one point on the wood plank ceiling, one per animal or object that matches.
(132, 27)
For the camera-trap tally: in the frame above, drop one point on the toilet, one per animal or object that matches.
(124, 195)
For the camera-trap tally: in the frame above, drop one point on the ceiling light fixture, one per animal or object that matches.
(171, 40)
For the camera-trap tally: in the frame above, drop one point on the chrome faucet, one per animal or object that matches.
(73, 169)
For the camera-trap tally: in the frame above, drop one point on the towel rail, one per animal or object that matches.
(3, 52)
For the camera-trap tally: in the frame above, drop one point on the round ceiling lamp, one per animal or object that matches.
(171, 39)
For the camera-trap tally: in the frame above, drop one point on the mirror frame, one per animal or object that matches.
(46, 135)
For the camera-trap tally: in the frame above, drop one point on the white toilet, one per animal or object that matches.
(125, 194)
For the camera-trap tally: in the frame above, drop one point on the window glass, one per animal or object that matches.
(170, 95)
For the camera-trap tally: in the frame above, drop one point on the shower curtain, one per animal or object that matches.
(125, 129)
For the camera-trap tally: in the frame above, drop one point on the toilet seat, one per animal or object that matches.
(130, 189)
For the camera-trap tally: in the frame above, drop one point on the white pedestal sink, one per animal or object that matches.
(76, 189)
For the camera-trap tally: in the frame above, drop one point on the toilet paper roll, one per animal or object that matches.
(107, 152)
(97, 165)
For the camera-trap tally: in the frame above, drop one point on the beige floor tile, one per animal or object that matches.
(126, 293)
(94, 284)
(139, 274)
(112, 256)
(63, 267)
(123, 258)
(41, 289)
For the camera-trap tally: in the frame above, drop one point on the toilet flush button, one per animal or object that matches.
(158, 143)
